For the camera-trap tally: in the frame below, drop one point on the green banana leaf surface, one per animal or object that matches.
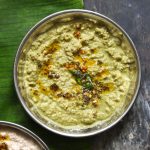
(16, 18)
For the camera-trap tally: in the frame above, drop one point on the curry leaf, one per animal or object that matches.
(83, 79)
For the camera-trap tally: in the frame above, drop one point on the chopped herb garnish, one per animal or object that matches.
(83, 79)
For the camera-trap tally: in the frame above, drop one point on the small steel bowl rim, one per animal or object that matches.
(24, 130)
(19, 52)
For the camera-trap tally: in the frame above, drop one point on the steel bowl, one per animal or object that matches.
(41, 27)
(15, 127)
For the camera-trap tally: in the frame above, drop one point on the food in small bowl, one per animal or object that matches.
(77, 72)
(16, 137)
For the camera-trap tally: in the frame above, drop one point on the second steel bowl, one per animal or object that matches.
(20, 130)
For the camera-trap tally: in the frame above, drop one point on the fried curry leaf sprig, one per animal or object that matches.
(83, 79)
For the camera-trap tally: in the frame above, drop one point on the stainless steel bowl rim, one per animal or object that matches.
(26, 38)
(26, 131)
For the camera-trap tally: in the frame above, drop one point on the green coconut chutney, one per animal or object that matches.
(78, 73)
